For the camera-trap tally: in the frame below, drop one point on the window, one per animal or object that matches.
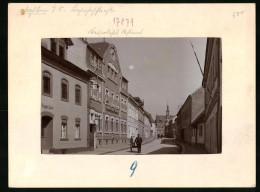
(122, 127)
(117, 126)
(98, 92)
(47, 84)
(200, 130)
(98, 123)
(107, 92)
(61, 51)
(106, 124)
(92, 59)
(109, 71)
(64, 90)
(77, 128)
(112, 95)
(77, 95)
(53, 45)
(64, 127)
(112, 124)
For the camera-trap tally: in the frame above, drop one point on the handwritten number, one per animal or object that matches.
(133, 167)
(236, 14)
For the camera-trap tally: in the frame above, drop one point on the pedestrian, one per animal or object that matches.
(138, 142)
(158, 136)
(161, 136)
(131, 141)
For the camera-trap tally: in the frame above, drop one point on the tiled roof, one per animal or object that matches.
(100, 48)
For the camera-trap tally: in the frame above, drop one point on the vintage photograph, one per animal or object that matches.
(131, 96)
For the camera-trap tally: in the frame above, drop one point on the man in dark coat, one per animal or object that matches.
(138, 141)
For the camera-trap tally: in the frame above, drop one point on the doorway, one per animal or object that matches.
(47, 132)
(92, 135)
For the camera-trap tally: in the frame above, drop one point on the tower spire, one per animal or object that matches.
(167, 111)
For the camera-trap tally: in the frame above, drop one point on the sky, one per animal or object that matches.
(160, 70)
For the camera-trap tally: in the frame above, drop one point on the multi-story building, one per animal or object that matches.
(188, 116)
(185, 116)
(140, 116)
(132, 118)
(65, 84)
(147, 125)
(212, 82)
(114, 106)
(160, 121)
(83, 87)
(197, 111)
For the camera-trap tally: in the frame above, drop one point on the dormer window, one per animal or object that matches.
(61, 51)
(53, 46)
(59, 47)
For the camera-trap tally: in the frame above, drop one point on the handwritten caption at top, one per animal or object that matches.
(238, 13)
(76, 9)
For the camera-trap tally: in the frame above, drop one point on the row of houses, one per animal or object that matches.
(199, 120)
(85, 99)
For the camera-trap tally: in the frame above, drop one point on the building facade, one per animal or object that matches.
(185, 116)
(197, 111)
(85, 99)
(212, 82)
(147, 125)
(114, 105)
(64, 109)
(132, 118)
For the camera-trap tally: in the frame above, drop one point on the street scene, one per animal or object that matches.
(131, 96)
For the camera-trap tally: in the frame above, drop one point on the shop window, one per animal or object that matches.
(64, 90)
(64, 120)
(47, 84)
(77, 129)
(77, 95)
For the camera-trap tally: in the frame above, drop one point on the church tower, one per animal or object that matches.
(167, 112)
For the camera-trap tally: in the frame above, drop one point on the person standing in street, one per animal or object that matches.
(132, 141)
(138, 142)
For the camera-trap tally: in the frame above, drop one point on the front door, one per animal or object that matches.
(47, 132)
(92, 135)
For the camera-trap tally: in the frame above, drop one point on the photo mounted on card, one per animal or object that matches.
(90, 105)
(122, 88)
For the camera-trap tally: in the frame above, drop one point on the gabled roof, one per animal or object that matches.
(100, 48)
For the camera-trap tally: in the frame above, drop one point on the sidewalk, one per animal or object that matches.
(190, 148)
(113, 148)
